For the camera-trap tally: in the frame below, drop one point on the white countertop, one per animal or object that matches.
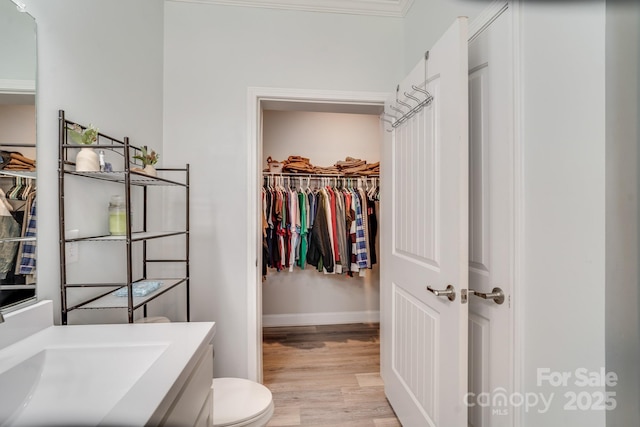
(164, 352)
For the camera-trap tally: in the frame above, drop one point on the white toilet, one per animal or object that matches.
(238, 402)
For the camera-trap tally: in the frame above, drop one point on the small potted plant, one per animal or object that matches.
(86, 160)
(148, 159)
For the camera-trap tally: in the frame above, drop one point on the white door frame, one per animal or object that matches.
(517, 258)
(518, 209)
(255, 97)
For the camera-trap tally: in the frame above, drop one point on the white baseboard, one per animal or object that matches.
(307, 319)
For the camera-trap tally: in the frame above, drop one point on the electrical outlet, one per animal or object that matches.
(72, 247)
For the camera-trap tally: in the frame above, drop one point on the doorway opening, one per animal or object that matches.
(272, 109)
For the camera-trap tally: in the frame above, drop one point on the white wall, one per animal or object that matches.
(427, 20)
(324, 138)
(213, 54)
(307, 296)
(17, 44)
(17, 125)
(562, 293)
(622, 177)
(101, 62)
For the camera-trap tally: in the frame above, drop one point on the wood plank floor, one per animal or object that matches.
(326, 376)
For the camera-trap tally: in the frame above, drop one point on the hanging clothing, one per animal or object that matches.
(361, 243)
(341, 232)
(9, 228)
(332, 228)
(365, 222)
(265, 227)
(294, 227)
(326, 204)
(272, 237)
(320, 253)
(28, 255)
(303, 202)
(334, 232)
(373, 230)
(350, 234)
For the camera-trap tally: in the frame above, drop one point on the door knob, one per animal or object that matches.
(450, 292)
(497, 295)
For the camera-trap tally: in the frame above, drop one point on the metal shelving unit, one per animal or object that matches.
(128, 178)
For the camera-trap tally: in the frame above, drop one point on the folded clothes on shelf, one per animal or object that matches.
(302, 165)
(11, 160)
(140, 289)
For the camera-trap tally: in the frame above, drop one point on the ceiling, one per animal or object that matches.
(395, 8)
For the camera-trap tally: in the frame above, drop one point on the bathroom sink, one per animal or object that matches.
(73, 385)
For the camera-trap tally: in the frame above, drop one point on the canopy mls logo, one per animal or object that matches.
(500, 402)
(579, 398)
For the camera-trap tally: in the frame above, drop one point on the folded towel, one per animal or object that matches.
(140, 289)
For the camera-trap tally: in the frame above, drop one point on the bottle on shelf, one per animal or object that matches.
(117, 216)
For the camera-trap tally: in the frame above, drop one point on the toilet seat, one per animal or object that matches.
(238, 402)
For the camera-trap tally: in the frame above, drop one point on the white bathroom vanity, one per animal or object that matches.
(124, 374)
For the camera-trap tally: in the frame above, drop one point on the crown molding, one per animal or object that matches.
(18, 86)
(391, 8)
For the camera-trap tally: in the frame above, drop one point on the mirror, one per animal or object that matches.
(17, 156)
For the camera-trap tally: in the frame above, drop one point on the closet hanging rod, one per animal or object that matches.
(17, 144)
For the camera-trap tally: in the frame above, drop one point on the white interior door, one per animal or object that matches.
(425, 241)
(490, 223)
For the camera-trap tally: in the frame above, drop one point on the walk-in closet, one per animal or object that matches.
(308, 148)
(294, 291)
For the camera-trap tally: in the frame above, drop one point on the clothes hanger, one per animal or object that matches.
(372, 188)
(5, 201)
(27, 189)
(14, 192)
(377, 194)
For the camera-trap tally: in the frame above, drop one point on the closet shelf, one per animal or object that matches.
(137, 178)
(108, 300)
(18, 174)
(318, 175)
(17, 287)
(135, 237)
(18, 239)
